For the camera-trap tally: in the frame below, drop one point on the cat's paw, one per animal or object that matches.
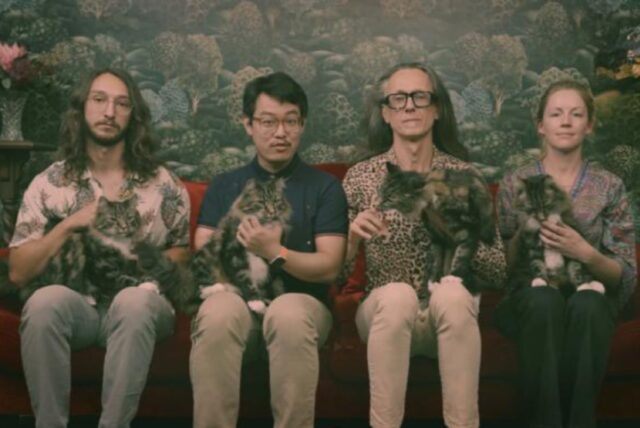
(451, 280)
(90, 300)
(210, 290)
(422, 315)
(151, 286)
(596, 286)
(257, 306)
(538, 282)
(432, 285)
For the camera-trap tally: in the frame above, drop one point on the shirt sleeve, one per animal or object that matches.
(490, 262)
(332, 211)
(507, 217)
(32, 220)
(618, 239)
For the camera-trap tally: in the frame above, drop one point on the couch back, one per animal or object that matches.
(356, 282)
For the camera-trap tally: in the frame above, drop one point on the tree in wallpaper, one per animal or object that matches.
(192, 59)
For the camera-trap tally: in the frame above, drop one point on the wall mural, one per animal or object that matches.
(192, 59)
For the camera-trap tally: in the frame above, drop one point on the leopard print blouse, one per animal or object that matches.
(401, 255)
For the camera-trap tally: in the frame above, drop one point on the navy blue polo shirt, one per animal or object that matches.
(319, 207)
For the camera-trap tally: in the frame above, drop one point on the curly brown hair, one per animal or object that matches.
(139, 143)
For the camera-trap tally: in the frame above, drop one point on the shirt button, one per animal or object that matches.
(308, 242)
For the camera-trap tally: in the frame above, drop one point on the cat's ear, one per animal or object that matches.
(279, 185)
(250, 184)
(392, 167)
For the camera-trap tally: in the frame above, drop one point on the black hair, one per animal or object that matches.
(277, 85)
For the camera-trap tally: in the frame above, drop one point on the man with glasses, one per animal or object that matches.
(412, 125)
(107, 152)
(295, 324)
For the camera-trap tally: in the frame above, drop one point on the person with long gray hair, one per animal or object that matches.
(412, 125)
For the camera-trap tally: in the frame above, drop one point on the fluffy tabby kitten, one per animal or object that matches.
(97, 261)
(456, 208)
(224, 264)
(538, 198)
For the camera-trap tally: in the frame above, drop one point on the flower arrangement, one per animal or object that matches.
(16, 69)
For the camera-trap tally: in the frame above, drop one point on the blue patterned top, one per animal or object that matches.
(602, 209)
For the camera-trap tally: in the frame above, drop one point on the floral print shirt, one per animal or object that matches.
(601, 208)
(402, 254)
(163, 204)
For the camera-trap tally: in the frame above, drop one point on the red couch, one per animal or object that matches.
(343, 386)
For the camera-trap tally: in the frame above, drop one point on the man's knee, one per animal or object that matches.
(296, 319)
(453, 301)
(48, 304)
(221, 316)
(396, 297)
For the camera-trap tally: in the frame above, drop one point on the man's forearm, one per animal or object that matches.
(28, 260)
(313, 267)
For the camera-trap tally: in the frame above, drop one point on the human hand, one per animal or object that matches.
(263, 240)
(367, 224)
(81, 219)
(566, 240)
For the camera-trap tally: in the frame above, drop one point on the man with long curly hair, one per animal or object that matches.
(106, 153)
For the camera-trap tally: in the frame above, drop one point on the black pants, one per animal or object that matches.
(563, 350)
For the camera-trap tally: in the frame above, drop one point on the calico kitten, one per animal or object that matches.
(224, 264)
(455, 207)
(538, 198)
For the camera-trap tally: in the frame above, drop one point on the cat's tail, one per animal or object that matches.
(173, 279)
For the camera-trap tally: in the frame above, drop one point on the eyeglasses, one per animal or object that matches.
(270, 125)
(398, 101)
(99, 101)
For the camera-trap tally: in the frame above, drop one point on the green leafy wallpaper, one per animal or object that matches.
(192, 59)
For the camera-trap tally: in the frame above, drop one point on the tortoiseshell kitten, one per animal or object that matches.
(224, 264)
(538, 198)
(455, 207)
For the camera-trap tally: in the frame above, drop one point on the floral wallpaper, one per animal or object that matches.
(192, 59)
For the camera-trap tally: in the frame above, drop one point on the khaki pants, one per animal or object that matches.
(225, 331)
(387, 320)
(57, 320)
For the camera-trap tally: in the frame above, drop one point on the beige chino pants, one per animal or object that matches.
(225, 331)
(388, 321)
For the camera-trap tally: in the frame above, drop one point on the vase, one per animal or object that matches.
(11, 106)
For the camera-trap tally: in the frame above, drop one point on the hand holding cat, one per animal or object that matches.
(367, 224)
(566, 240)
(261, 240)
(82, 218)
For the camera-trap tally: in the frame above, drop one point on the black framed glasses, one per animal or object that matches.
(398, 101)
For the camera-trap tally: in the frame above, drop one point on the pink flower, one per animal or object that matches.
(8, 54)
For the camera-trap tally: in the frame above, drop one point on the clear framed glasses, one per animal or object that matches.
(100, 100)
(269, 125)
(398, 101)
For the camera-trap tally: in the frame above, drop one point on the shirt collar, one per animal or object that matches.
(286, 172)
(436, 162)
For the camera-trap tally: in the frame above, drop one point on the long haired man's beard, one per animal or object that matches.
(102, 141)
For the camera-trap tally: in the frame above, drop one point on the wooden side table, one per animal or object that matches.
(13, 155)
